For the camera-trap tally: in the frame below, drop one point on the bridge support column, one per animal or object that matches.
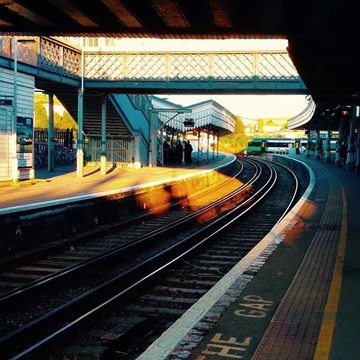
(103, 137)
(153, 141)
(350, 161)
(136, 152)
(50, 149)
(79, 146)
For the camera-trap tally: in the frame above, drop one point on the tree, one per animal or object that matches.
(67, 122)
(61, 122)
(57, 121)
(235, 142)
(41, 118)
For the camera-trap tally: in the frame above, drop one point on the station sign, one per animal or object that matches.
(189, 123)
(6, 102)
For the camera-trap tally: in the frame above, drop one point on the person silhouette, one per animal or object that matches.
(179, 152)
(188, 151)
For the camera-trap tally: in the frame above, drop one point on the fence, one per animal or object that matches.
(61, 138)
(119, 149)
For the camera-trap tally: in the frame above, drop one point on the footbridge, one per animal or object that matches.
(57, 66)
(100, 90)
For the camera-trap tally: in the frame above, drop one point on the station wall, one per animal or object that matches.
(25, 115)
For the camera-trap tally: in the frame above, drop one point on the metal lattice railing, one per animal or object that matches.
(45, 53)
(189, 66)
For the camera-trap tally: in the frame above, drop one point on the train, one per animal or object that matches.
(259, 146)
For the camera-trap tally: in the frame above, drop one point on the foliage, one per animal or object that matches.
(41, 117)
(235, 142)
(61, 122)
(67, 122)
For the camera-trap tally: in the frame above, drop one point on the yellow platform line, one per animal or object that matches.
(323, 347)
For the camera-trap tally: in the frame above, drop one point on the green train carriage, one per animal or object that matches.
(259, 146)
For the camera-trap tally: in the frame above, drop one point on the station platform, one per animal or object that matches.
(294, 296)
(63, 185)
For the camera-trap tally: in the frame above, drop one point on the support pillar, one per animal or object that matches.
(357, 143)
(317, 145)
(14, 154)
(327, 157)
(339, 142)
(153, 145)
(198, 154)
(350, 161)
(79, 146)
(103, 153)
(183, 150)
(51, 150)
(136, 152)
(308, 145)
(208, 147)
(162, 145)
(213, 152)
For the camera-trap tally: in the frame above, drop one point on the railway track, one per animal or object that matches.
(167, 300)
(22, 271)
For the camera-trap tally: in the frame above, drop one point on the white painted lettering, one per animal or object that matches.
(232, 340)
(228, 348)
(257, 305)
(224, 351)
(251, 313)
(255, 298)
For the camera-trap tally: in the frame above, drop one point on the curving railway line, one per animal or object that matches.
(140, 277)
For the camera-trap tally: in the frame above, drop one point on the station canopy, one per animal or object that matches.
(206, 116)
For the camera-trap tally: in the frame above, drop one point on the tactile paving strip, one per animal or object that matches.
(294, 329)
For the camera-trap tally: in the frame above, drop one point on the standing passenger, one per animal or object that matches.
(179, 152)
(343, 153)
(188, 151)
(166, 148)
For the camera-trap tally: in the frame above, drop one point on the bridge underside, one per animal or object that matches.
(68, 96)
(322, 34)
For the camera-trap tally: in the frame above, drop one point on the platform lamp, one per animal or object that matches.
(14, 159)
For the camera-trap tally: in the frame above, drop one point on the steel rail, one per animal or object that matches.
(19, 293)
(143, 272)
